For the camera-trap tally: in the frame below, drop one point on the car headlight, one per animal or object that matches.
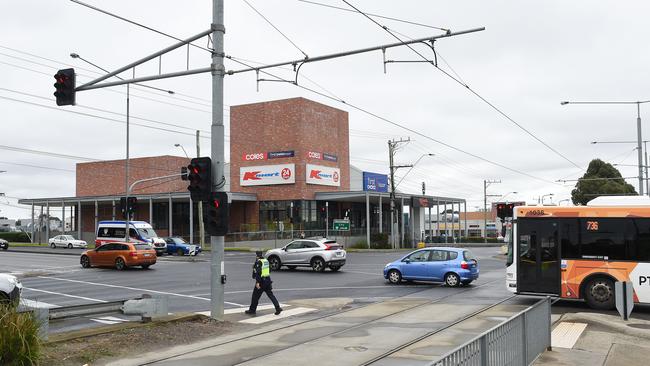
(387, 264)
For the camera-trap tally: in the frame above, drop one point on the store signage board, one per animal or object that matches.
(267, 175)
(323, 175)
(374, 182)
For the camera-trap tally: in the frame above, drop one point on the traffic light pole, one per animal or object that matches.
(126, 168)
(217, 144)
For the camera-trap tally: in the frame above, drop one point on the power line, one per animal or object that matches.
(403, 127)
(277, 29)
(376, 15)
(37, 166)
(137, 24)
(502, 113)
(339, 100)
(108, 111)
(165, 94)
(96, 116)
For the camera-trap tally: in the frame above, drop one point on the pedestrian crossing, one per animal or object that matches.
(109, 320)
(261, 319)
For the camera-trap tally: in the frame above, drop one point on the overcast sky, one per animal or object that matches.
(531, 56)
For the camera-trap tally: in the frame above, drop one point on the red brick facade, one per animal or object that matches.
(298, 125)
(106, 178)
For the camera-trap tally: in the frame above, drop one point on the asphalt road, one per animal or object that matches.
(58, 280)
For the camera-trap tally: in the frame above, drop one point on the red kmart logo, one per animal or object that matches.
(252, 175)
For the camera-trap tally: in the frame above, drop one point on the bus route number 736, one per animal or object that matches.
(592, 225)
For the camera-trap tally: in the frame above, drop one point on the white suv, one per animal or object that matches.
(315, 253)
(10, 288)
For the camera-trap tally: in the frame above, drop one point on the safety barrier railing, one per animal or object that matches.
(517, 341)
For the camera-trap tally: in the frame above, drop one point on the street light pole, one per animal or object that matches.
(638, 132)
(486, 184)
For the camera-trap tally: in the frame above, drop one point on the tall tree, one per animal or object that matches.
(590, 187)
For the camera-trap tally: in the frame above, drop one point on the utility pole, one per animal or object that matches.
(392, 148)
(200, 204)
(217, 142)
(486, 184)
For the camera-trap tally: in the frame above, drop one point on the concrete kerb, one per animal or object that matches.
(612, 322)
(89, 332)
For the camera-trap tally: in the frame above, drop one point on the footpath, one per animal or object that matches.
(594, 339)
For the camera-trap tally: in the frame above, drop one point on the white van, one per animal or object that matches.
(113, 231)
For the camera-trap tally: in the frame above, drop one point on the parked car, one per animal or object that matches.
(67, 241)
(453, 266)
(119, 255)
(177, 245)
(4, 245)
(315, 253)
(10, 289)
(113, 231)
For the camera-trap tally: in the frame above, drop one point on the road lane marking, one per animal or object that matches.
(136, 289)
(330, 288)
(272, 317)
(243, 309)
(109, 320)
(62, 294)
(37, 304)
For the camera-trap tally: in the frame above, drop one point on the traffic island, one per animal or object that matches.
(87, 346)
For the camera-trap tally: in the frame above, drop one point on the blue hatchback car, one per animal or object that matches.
(176, 245)
(453, 266)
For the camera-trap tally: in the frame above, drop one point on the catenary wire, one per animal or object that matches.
(475, 93)
(376, 15)
(339, 100)
(276, 28)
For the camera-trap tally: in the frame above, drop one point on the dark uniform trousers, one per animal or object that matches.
(265, 286)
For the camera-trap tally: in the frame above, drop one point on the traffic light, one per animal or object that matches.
(216, 213)
(200, 177)
(505, 210)
(128, 206)
(184, 173)
(65, 85)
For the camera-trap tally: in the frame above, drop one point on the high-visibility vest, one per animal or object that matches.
(266, 271)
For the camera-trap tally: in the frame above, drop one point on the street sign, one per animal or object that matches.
(341, 225)
(624, 298)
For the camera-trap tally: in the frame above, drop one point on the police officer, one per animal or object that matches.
(262, 276)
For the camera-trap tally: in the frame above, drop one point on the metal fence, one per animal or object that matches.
(518, 341)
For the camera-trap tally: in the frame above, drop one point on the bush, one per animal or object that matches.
(19, 342)
(16, 237)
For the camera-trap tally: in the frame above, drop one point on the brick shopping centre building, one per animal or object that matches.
(289, 173)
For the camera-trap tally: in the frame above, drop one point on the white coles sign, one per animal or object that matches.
(323, 175)
(267, 175)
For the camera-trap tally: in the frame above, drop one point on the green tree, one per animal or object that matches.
(590, 187)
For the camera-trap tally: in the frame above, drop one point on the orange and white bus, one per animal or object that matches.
(579, 252)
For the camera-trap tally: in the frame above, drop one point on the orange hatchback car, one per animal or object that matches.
(119, 255)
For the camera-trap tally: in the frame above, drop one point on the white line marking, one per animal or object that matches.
(242, 309)
(37, 304)
(329, 288)
(62, 294)
(272, 317)
(110, 322)
(112, 318)
(135, 289)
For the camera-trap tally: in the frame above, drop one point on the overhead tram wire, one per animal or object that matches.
(468, 88)
(340, 100)
(376, 15)
(276, 28)
(403, 127)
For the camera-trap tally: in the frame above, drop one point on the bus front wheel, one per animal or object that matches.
(599, 293)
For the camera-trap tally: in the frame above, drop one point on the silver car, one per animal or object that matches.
(315, 253)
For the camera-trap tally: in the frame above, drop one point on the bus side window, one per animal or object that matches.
(569, 238)
(602, 238)
(637, 235)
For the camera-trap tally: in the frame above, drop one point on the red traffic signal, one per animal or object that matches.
(65, 87)
(216, 214)
(199, 173)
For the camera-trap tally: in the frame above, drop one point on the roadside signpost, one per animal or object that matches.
(341, 225)
(624, 298)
